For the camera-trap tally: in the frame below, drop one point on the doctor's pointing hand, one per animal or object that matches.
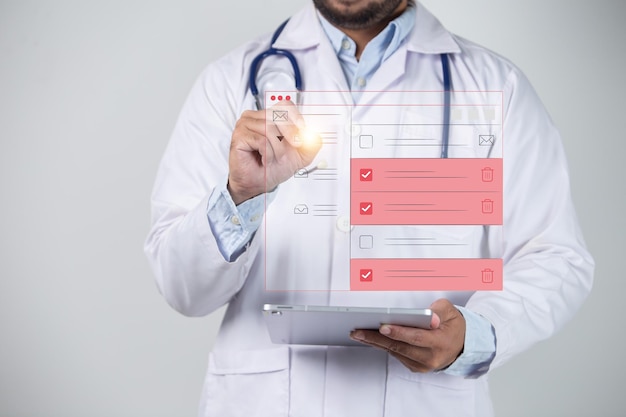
(267, 147)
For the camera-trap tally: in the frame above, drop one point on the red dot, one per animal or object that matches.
(273, 98)
(287, 97)
(280, 98)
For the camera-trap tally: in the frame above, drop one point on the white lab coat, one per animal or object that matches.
(547, 272)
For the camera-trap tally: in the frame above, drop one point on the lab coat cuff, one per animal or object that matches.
(479, 348)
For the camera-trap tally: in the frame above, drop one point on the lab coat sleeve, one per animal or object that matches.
(548, 272)
(190, 271)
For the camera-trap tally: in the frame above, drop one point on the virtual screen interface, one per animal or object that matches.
(381, 204)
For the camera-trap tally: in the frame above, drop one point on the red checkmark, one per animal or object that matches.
(367, 174)
(367, 208)
(366, 274)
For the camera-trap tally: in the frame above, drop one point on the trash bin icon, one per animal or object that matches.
(487, 174)
(487, 206)
(487, 276)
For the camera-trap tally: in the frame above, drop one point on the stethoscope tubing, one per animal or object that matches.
(271, 51)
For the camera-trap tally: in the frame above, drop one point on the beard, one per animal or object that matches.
(351, 15)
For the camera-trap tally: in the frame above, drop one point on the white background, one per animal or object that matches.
(89, 93)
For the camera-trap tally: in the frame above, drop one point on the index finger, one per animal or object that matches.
(287, 119)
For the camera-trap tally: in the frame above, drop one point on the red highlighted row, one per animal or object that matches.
(426, 274)
(426, 208)
(426, 191)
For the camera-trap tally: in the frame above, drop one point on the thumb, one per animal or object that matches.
(435, 321)
(443, 310)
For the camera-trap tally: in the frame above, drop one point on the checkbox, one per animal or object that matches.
(366, 141)
(366, 174)
(366, 275)
(366, 242)
(367, 208)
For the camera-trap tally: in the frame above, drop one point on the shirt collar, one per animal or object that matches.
(335, 36)
(428, 35)
(391, 36)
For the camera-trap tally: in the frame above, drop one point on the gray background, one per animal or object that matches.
(89, 92)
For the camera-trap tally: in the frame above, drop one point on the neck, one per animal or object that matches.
(362, 36)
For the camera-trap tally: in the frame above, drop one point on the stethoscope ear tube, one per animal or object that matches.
(256, 62)
(447, 86)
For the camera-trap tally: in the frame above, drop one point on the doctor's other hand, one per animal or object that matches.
(267, 148)
(422, 350)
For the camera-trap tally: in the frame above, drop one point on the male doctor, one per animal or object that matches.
(209, 219)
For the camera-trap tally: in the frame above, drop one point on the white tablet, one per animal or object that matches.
(327, 325)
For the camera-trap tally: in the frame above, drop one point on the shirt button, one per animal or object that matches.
(235, 220)
(361, 82)
(353, 130)
(345, 44)
(343, 224)
(254, 218)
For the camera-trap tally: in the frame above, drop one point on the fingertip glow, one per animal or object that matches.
(308, 135)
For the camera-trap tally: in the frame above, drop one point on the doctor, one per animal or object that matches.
(206, 242)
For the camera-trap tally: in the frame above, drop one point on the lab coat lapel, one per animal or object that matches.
(427, 37)
(331, 69)
(320, 67)
(302, 32)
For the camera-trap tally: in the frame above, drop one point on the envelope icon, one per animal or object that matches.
(485, 140)
(301, 173)
(301, 209)
(280, 115)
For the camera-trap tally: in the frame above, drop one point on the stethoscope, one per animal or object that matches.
(271, 51)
